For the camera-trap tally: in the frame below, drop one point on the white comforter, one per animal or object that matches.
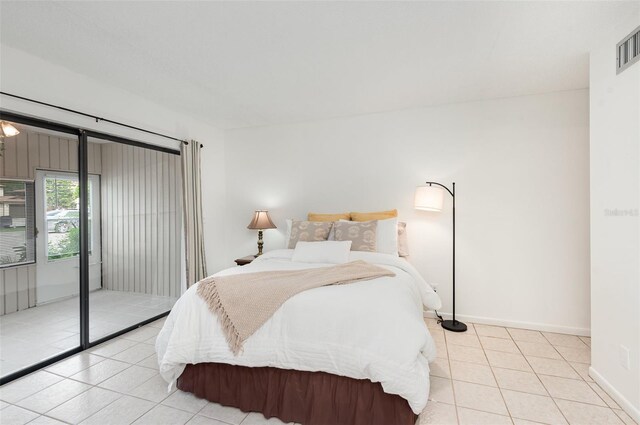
(372, 329)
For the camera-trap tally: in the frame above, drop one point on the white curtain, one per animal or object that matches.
(192, 201)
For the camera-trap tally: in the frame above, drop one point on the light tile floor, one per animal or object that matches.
(35, 334)
(495, 375)
(488, 375)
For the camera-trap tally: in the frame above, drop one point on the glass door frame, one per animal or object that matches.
(83, 177)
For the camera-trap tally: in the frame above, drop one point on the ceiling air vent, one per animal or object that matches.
(628, 51)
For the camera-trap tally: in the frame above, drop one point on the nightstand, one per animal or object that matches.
(245, 260)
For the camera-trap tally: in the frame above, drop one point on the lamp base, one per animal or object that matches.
(454, 326)
(260, 243)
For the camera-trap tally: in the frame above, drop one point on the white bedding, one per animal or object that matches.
(372, 329)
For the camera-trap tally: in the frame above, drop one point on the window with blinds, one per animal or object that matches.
(17, 222)
(628, 51)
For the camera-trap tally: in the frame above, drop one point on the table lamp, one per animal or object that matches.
(261, 221)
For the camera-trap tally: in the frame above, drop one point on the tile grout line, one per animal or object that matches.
(44, 388)
(580, 378)
(121, 394)
(524, 392)
(160, 403)
(88, 389)
(171, 407)
(91, 386)
(453, 390)
(55, 407)
(496, 379)
(29, 316)
(107, 405)
(602, 398)
(220, 420)
(617, 412)
(571, 366)
(542, 382)
(485, 385)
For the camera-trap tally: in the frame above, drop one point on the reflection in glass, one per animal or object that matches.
(134, 259)
(62, 195)
(39, 274)
(140, 218)
(17, 231)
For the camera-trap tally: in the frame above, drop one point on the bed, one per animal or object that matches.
(349, 354)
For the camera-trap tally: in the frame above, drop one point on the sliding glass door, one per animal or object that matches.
(141, 230)
(39, 252)
(90, 240)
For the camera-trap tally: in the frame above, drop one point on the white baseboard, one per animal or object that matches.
(516, 324)
(631, 410)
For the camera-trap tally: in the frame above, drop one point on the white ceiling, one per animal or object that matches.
(239, 64)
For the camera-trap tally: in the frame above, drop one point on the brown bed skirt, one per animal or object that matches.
(309, 398)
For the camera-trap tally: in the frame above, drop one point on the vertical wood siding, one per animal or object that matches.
(22, 155)
(141, 216)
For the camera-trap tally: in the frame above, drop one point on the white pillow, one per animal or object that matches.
(334, 252)
(387, 236)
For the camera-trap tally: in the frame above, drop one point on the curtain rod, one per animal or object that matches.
(98, 119)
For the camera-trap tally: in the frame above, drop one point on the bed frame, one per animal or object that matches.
(309, 398)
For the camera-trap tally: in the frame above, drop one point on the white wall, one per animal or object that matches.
(522, 184)
(615, 240)
(29, 76)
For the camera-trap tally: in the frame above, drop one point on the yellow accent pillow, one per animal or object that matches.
(328, 217)
(368, 216)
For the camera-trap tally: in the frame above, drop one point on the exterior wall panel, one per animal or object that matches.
(141, 215)
(21, 157)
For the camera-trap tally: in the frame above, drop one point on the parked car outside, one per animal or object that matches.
(61, 221)
(6, 222)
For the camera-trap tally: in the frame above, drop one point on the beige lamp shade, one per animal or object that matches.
(429, 198)
(261, 221)
(7, 129)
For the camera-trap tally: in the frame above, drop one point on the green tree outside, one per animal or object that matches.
(62, 194)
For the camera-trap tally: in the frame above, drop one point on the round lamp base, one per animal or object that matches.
(454, 326)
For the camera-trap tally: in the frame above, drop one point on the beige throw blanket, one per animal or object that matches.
(244, 302)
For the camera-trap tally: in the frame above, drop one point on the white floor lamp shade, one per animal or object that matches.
(429, 198)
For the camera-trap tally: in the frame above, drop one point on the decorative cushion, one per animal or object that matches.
(386, 235)
(328, 217)
(403, 245)
(308, 231)
(362, 234)
(368, 216)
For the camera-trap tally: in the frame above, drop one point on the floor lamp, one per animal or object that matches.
(431, 198)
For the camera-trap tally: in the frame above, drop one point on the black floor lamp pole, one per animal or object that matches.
(453, 324)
